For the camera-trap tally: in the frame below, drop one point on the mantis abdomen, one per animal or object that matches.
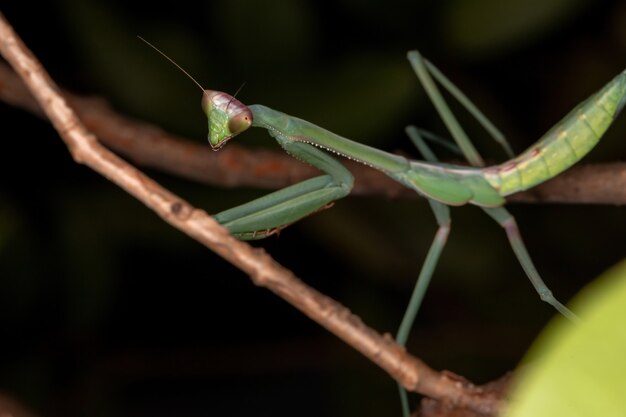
(565, 144)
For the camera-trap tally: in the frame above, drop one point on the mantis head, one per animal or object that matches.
(227, 116)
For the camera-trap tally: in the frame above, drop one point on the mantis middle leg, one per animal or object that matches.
(424, 69)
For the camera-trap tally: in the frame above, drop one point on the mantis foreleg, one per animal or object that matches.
(269, 214)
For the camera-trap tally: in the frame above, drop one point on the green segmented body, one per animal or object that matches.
(565, 144)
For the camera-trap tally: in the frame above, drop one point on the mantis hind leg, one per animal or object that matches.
(271, 213)
(424, 69)
(508, 223)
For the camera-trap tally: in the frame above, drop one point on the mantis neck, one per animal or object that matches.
(299, 130)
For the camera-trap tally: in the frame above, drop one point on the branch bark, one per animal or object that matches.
(235, 166)
(409, 371)
(9, 407)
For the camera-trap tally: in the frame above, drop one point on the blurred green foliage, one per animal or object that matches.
(578, 370)
(479, 27)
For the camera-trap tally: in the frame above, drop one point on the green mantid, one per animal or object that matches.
(442, 184)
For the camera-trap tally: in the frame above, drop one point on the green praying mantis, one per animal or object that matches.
(442, 184)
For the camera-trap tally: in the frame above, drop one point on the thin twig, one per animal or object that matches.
(235, 166)
(10, 407)
(262, 269)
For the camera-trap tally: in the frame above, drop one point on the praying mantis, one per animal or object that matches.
(442, 184)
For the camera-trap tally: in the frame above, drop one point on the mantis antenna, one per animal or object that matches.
(189, 75)
(177, 66)
(235, 95)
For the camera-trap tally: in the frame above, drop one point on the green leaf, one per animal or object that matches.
(578, 370)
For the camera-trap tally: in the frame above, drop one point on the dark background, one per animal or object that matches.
(106, 310)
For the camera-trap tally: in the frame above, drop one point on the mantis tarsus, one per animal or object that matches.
(443, 184)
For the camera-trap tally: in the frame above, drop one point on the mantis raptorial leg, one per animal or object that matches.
(308, 196)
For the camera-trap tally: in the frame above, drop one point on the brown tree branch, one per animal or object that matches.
(262, 269)
(9, 407)
(235, 166)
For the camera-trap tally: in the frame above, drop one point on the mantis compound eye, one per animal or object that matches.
(227, 117)
(240, 122)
